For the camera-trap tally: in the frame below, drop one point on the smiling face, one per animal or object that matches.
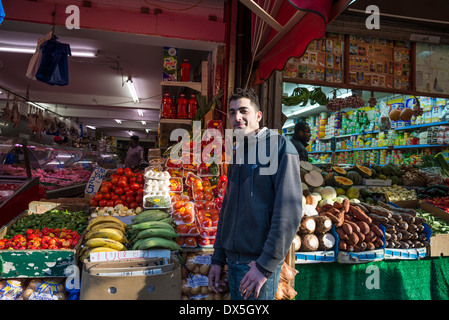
(244, 115)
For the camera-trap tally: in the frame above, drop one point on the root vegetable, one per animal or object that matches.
(314, 179)
(364, 227)
(297, 242)
(342, 245)
(307, 225)
(346, 205)
(309, 242)
(346, 227)
(341, 234)
(353, 239)
(359, 214)
(326, 241)
(323, 224)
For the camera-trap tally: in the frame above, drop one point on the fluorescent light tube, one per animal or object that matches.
(132, 90)
(36, 105)
(91, 127)
(31, 50)
(144, 123)
(140, 112)
(118, 121)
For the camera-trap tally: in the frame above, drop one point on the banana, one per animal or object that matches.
(137, 244)
(152, 224)
(109, 243)
(157, 242)
(113, 225)
(103, 219)
(150, 216)
(157, 232)
(107, 233)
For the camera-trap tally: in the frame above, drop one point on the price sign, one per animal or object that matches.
(95, 181)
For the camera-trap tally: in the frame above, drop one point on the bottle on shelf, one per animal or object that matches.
(182, 107)
(173, 108)
(166, 106)
(193, 105)
(185, 70)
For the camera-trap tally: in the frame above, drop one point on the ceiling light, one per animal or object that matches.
(132, 90)
(144, 123)
(36, 105)
(130, 133)
(140, 112)
(147, 130)
(31, 50)
(118, 121)
(91, 127)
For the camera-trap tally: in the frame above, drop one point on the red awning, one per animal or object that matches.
(283, 29)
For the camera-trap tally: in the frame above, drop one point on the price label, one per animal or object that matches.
(95, 181)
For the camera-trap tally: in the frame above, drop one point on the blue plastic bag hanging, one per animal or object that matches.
(53, 68)
(2, 12)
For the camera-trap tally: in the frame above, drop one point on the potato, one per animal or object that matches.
(196, 290)
(204, 290)
(204, 269)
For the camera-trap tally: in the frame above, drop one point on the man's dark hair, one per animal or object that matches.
(300, 126)
(246, 93)
(135, 138)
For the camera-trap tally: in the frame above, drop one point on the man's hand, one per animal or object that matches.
(214, 276)
(252, 281)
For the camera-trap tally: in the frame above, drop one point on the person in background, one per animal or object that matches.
(301, 138)
(261, 210)
(135, 153)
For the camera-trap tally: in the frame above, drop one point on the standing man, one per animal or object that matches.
(135, 153)
(301, 138)
(261, 209)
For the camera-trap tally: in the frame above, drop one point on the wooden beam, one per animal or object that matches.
(257, 10)
(288, 26)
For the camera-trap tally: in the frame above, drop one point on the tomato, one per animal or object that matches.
(209, 205)
(133, 205)
(140, 179)
(119, 171)
(139, 199)
(114, 197)
(129, 193)
(178, 204)
(182, 229)
(114, 181)
(177, 215)
(204, 242)
(93, 202)
(127, 169)
(129, 199)
(118, 190)
(107, 196)
(118, 202)
(208, 196)
(122, 197)
(206, 223)
(129, 174)
(134, 186)
(104, 189)
(98, 196)
(122, 183)
(110, 203)
(132, 179)
(190, 242)
(180, 241)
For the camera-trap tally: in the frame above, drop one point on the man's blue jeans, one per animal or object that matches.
(236, 272)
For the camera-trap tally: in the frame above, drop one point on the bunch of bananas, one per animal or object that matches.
(302, 96)
(153, 229)
(104, 234)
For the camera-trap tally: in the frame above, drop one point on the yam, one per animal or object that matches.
(309, 242)
(370, 246)
(323, 224)
(346, 205)
(353, 225)
(297, 242)
(371, 236)
(341, 234)
(326, 241)
(364, 227)
(342, 245)
(359, 214)
(307, 225)
(378, 219)
(360, 235)
(333, 218)
(313, 179)
(346, 228)
(338, 205)
(353, 239)
(376, 230)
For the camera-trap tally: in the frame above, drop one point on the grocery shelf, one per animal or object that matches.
(441, 123)
(361, 149)
(422, 146)
(320, 152)
(349, 135)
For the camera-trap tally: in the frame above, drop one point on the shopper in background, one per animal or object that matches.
(135, 153)
(301, 138)
(261, 212)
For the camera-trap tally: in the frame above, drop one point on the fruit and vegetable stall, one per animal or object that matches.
(361, 236)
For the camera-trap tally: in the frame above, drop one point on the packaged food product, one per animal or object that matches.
(12, 289)
(184, 212)
(46, 289)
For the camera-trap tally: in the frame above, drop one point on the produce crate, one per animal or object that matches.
(376, 182)
(314, 257)
(409, 204)
(439, 243)
(360, 257)
(405, 254)
(35, 263)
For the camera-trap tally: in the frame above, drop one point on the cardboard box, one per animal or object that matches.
(409, 204)
(137, 279)
(439, 243)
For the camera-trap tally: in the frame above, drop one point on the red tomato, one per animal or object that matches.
(132, 179)
(118, 190)
(203, 242)
(129, 174)
(180, 241)
(122, 183)
(98, 196)
(206, 223)
(133, 205)
(104, 189)
(139, 191)
(113, 197)
(118, 202)
(119, 171)
(114, 181)
(139, 199)
(182, 229)
(190, 242)
(140, 179)
(129, 192)
(93, 202)
(103, 203)
(134, 186)
(209, 205)
(129, 199)
(127, 169)
(107, 196)
(122, 197)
